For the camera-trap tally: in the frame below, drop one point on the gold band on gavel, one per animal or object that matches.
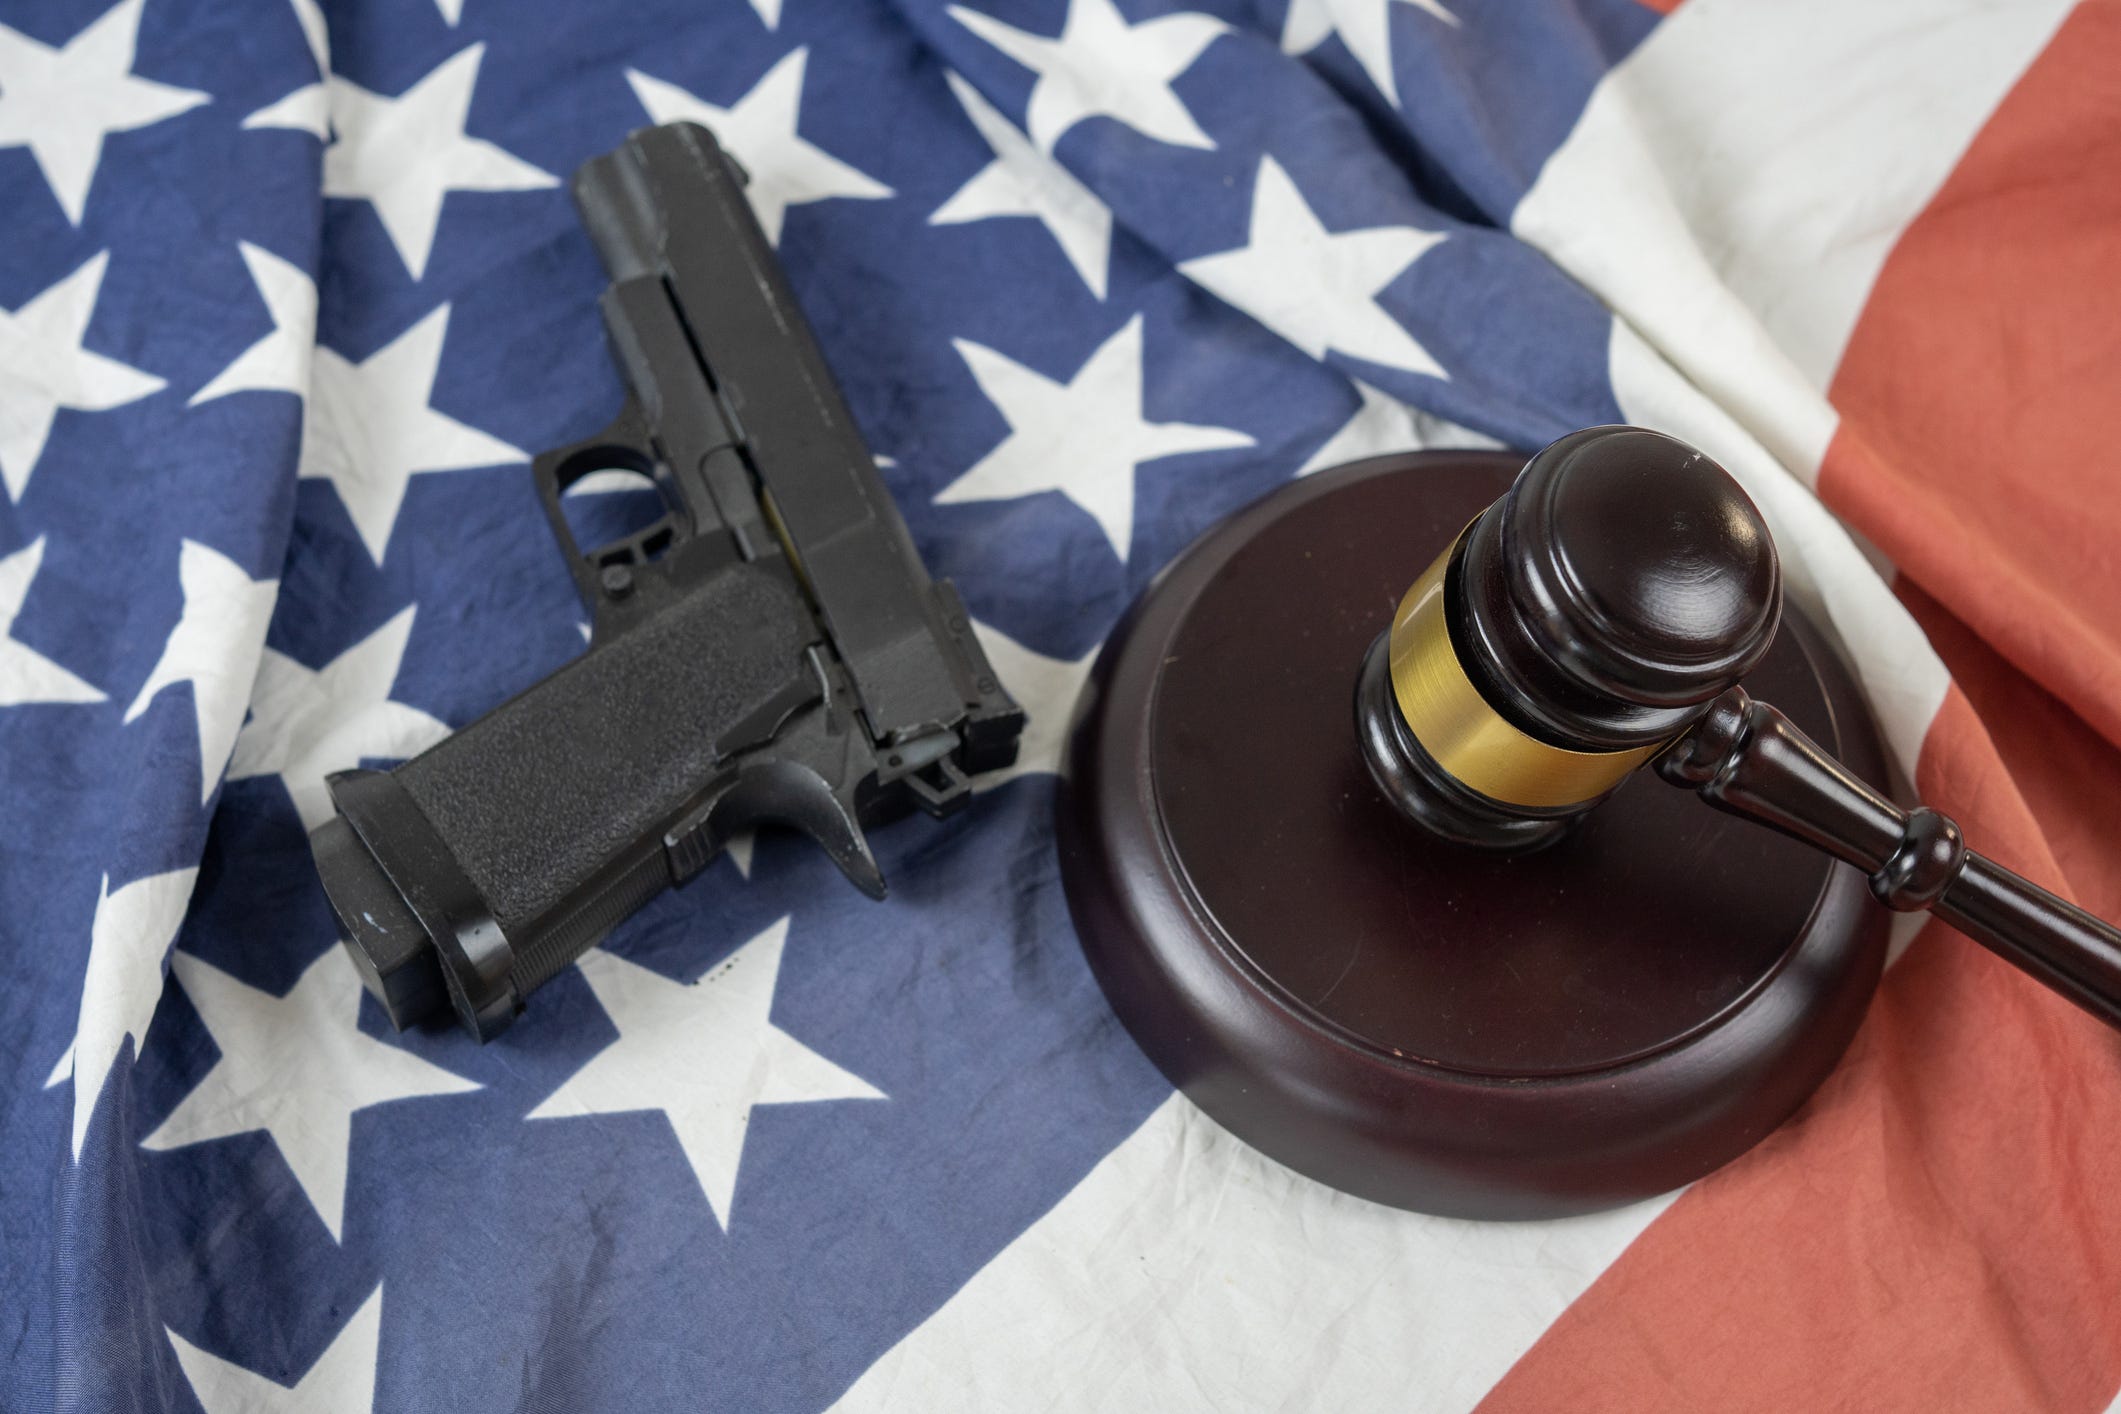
(1471, 740)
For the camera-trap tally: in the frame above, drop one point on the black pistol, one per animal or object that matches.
(770, 650)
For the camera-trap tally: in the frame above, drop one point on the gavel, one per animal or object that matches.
(1597, 619)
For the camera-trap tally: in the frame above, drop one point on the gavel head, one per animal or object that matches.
(1571, 631)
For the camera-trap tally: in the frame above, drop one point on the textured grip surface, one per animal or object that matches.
(540, 794)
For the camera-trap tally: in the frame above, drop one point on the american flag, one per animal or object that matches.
(289, 290)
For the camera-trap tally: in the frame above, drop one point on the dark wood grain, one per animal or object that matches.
(1623, 581)
(1747, 757)
(1408, 1020)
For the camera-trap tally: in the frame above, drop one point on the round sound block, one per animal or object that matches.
(1404, 1019)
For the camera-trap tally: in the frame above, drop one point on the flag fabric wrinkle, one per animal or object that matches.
(289, 293)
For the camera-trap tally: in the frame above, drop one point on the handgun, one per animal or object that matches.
(769, 650)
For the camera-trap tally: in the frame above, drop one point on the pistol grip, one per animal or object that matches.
(513, 845)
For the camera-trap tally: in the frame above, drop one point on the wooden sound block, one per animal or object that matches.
(1408, 1020)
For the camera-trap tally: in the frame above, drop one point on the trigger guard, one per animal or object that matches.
(624, 443)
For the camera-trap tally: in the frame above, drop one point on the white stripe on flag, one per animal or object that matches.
(1823, 569)
(1734, 185)
(1732, 191)
(1187, 1271)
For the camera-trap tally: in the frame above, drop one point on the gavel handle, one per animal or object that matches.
(1746, 758)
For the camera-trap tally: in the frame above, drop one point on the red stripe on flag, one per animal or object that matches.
(1937, 1230)
(1981, 390)
(2068, 774)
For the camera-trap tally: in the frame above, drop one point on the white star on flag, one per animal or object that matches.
(62, 103)
(1021, 181)
(279, 361)
(214, 647)
(1382, 424)
(1365, 27)
(127, 941)
(306, 723)
(759, 130)
(1046, 688)
(1101, 66)
(1316, 288)
(369, 429)
(27, 676)
(403, 155)
(342, 1381)
(705, 1053)
(297, 1067)
(1084, 438)
(308, 108)
(43, 368)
